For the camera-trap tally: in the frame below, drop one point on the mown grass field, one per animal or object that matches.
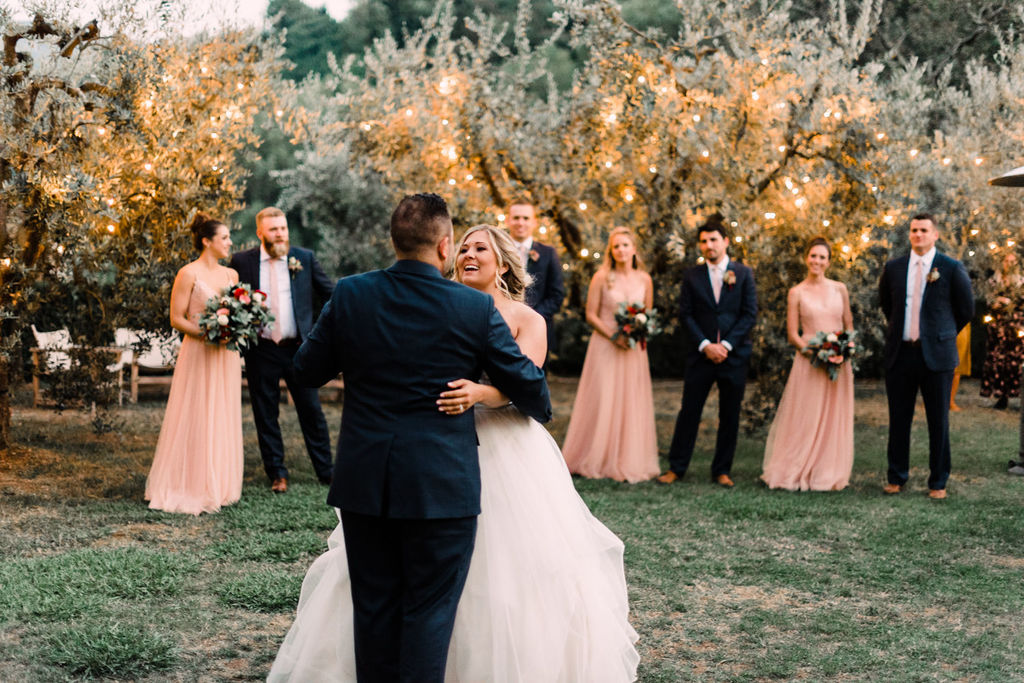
(725, 585)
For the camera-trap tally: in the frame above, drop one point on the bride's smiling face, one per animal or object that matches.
(476, 263)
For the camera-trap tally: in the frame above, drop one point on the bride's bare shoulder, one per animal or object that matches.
(521, 318)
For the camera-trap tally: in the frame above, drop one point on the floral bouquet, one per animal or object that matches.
(636, 324)
(830, 350)
(235, 316)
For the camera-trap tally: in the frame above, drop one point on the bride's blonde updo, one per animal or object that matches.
(515, 280)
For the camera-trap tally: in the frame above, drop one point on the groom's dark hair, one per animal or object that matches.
(419, 222)
(714, 223)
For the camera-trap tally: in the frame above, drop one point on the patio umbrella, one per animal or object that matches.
(1014, 178)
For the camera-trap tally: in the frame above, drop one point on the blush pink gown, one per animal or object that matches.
(198, 463)
(611, 433)
(810, 443)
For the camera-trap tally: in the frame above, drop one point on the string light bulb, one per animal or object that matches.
(584, 252)
(583, 206)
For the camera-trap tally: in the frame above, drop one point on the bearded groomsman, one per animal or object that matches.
(927, 299)
(293, 280)
(717, 309)
(546, 291)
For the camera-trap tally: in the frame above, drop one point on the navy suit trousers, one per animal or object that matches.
(407, 577)
(902, 381)
(731, 378)
(265, 365)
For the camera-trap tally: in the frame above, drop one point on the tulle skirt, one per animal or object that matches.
(545, 599)
(612, 433)
(810, 443)
(198, 464)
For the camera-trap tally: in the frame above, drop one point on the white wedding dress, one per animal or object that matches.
(545, 600)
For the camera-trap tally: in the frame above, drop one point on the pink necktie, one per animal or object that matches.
(275, 332)
(716, 282)
(915, 303)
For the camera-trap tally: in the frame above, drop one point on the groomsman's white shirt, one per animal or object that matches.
(926, 268)
(283, 296)
(721, 267)
(524, 249)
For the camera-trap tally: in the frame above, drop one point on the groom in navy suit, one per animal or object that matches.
(717, 309)
(294, 283)
(408, 478)
(927, 299)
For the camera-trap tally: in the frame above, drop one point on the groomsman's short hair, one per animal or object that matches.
(419, 222)
(522, 201)
(714, 223)
(269, 212)
(924, 216)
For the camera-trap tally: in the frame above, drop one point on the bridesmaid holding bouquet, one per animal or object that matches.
(810, 443)
(198, 463)
(611, 433)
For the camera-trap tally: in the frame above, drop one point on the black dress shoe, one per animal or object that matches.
(1001, 403)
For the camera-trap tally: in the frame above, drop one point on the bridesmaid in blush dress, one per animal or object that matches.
(198, 463)
(810, 443)
(611, 433)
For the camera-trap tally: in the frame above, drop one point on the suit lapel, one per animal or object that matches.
(936, 263)
(704, 284)
(294, 281)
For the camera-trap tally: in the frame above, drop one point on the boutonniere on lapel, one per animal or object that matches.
(729, 278)
(534, 255)
(294, 266)
(933, 275)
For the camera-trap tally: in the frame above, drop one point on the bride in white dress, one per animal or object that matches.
(545, 600)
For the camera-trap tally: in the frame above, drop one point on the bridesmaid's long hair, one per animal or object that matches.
(203, 227)
(515, 280)
(608, 263)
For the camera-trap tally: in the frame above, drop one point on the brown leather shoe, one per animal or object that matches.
(668, 477)
(724, 480)
(280, 485)
(891, 489)
(937, 494)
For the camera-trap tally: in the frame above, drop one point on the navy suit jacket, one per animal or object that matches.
(947, 304)
(399, 336)
(729, 320)
(309, 285)
(546, 292)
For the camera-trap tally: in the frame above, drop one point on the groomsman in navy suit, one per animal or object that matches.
(546, 291)
(294, 283)
(717, 308)
(926, 297)
(408, 482)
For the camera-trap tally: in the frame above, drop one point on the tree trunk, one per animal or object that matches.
(5, 406)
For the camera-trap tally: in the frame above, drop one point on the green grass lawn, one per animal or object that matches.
(742, 584)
